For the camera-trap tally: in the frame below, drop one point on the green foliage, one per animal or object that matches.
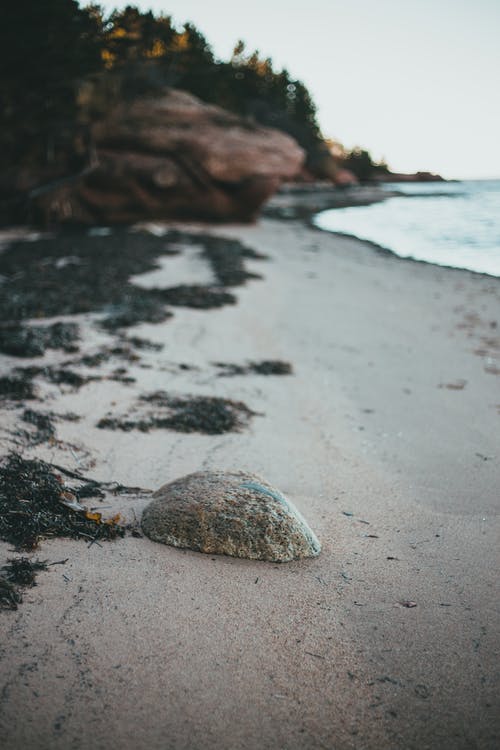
(360, 162)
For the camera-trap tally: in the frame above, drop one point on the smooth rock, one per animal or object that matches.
(229, 513)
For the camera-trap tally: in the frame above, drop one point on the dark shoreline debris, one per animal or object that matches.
(139, 343)
(124, 350)
(226, 256)
(32, 341)
(196, 296)
(56, 375)
(16, 388)
(265, 367)
(210, 415)
(73, 272)
(36, 504)
(104, 355)
(136, 306)
(22, 571)
(18, 573)
(44, 428)
(43, 424)
(19, 385)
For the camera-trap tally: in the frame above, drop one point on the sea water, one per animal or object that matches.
(448, 223)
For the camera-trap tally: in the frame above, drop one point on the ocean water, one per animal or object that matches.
(448, 223)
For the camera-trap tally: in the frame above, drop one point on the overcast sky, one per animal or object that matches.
(414, 81)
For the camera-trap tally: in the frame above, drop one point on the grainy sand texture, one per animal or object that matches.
(385, 437)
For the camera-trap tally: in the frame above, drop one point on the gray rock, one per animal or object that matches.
(229, 513)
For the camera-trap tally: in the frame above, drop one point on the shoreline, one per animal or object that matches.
(375, 246)
(471, 264)
(302, 202)
(384, 438)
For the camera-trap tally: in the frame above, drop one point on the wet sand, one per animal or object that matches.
(385, 437)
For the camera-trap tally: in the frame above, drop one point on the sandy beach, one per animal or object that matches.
(386, 437)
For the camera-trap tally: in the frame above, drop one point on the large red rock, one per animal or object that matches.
(173, 156)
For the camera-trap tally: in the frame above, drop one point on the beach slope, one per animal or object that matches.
(385, 437)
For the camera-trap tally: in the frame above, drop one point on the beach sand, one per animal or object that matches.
(385, 438)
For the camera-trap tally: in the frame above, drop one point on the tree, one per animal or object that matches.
(361, 164)
(45, 49)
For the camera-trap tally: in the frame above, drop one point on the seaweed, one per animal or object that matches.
(124, 350)
(210, 415)
(18, 387)
(227, 259)
(44, 427)
(136, 306)
(45, 430)
(139, 343)
(265, 367)
(119, 375)
(194, 295)
(271, 367)
(36, 504)
(225, 255)
(75, 272)
(10, 596)
(32, 341)
(22, 571)
(93, 271)
(16, 574)
(56, 375)
(104, 355)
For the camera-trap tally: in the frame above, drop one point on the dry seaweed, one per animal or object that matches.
(124, 350)
(139, 343)
(104, 354)
(22, 571)
(265, 367)
(18, 387)
(210, 415)
(44, 427)
(56, 375)
(10, 596)
(137, 306)
(32, 341)
(226, 256)
(74, 272)
(18, 573)
(35, 504)
(119, 375)
(194, 295)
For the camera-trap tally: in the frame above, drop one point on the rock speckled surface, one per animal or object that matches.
(229, 513)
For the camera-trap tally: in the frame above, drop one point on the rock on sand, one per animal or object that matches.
(229, 513)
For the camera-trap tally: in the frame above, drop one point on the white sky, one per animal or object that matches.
(415, 81)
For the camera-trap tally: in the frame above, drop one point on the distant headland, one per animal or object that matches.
(133, 118)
